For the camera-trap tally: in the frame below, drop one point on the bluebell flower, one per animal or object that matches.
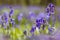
(33, 29)
(51, 5)
(37, 21)
(11, 12)
(49, 14)
(12, 21)
(47, 10)
(48, 17)
(41, 15)
(38, 25)
(50, 8)
(40, 20)
(51, 30)
(20, 16)
(5, 17)
(31, 16)
(0, 20)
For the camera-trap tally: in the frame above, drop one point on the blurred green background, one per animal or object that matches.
(29, 2)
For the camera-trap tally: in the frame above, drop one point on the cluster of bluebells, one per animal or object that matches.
(6, 18)
(50, 9)
(41, 19)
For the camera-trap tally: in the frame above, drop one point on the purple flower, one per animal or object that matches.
(49, 14)
(51, 5)
(20, 16)
(11, 12)
(31, 15)
(37, 21)
(0, 20)
(50, 8)
(47, 17)
(51, 30)
(41, 15)
(5, 17)
(12, 21)
(40, 20)
(47, 10)
(38, 25)
(33, 29)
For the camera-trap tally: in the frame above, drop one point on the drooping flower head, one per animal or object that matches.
(6, 17)
(40, 20)
(50, 9)
(11, 12)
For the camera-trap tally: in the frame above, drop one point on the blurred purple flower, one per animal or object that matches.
(20, 16)
(38, 25)
(11, 12)
(47, 10)
(50, 29)
(0, 20)
(40, 20)
(51, 5)
(50, 9)
(47, 17)
(31, 15)
(41, 15)
(12, 21)
(33, 29)
(5, 17)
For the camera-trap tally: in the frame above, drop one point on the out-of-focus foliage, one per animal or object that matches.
(29, 2)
